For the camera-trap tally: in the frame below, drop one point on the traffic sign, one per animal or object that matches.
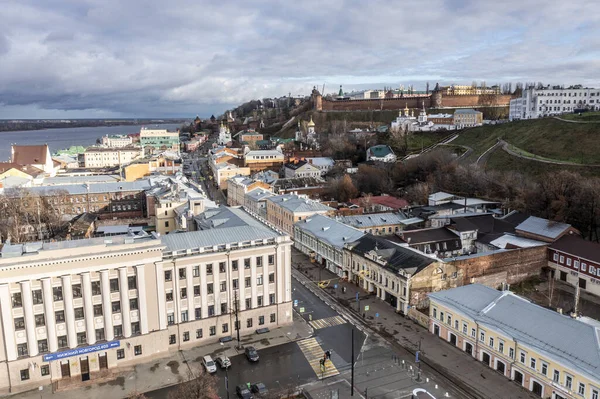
(357, 296)
(301, 310)
(376, 314)
(366, 308)
(417, 356)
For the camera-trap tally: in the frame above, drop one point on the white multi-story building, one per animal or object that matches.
(72, 310)
(117, 141)
(535, 103)
(101, 157)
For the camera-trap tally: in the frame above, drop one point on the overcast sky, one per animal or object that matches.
(151, 58)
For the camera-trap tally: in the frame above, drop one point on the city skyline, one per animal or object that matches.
(107, 59)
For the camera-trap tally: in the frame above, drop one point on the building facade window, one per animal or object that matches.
(19, 323)
(37, 296)
(76, 290)
(114, 285)
(57, 294)
(131, 283)
(96, 290)
(40, 320)
(79, 313)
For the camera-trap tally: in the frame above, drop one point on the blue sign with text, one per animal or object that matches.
(81, 351)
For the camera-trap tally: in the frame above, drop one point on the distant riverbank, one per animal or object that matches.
(61, 138)
(41, 124)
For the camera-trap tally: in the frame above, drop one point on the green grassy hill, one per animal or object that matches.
(548, 138)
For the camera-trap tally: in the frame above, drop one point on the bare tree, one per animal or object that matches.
(342, 189)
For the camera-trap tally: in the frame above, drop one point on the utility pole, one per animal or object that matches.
(226, 383)
(352, 361)
(237, 323)
(419, 360)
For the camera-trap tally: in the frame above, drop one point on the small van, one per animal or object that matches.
(209, 364)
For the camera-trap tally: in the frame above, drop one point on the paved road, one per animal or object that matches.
(448, 368)
(278, 367)
(285, 366)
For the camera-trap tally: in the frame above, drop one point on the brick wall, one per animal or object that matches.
(377, 104)
(473, 101)
(491, 269)
(516, 265)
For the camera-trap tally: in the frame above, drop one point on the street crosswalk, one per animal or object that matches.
(327, 322)
(314, 353)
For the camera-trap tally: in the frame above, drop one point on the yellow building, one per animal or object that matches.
(147, 166)
(470, 90)
(467, 118)
(285, 210)
(551, 354)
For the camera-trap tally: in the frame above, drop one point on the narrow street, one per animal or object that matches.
(446, 366)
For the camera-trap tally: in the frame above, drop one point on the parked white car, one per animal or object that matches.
(209, 364)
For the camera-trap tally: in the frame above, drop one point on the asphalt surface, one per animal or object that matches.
(338, 338)
(278, 367)
(284, 366)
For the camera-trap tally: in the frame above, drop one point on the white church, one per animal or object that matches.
(224, 134)
(310, 137)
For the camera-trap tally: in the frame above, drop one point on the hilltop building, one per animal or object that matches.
(555, 100)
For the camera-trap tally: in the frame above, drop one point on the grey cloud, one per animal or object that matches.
(185, 57)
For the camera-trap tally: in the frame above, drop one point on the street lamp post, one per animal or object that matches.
(237, 323)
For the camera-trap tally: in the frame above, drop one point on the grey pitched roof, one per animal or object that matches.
(396, 257)
(259, 194)
(543, 227)
(373, 220)
(440, 195)
(294, 203)
(512, 241)
(329, 230)
(424, 236)
(95, 188)
(224, 217)
(231, 225)
(531, 325)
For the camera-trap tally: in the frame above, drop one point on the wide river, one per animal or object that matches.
(58, 139)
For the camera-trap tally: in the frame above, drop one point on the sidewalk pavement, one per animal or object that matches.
(173, 368)
(440, 355)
